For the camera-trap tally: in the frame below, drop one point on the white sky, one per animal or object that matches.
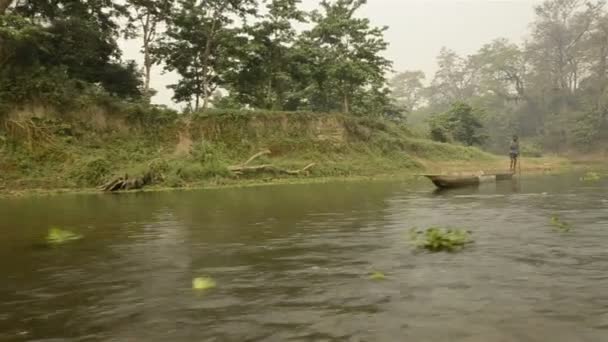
(417, 31)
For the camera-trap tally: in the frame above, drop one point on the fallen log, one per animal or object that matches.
(265, 168)
(256, 156)
(126, 183)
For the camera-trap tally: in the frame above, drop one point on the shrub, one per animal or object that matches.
(92, 171)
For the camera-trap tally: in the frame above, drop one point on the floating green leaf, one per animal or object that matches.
(57, 236)
(591, 177)
(558, 224)
(436, 239)
(203, 283)
(377, 276)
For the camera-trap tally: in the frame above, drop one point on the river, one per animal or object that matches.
(292, 263)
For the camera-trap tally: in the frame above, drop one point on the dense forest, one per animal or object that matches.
(272, 55)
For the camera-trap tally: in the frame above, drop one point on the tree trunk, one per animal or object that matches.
(148, 24)
(4, 4)
(207, 53)
(346, 107)
(147, 72)
(205, 97)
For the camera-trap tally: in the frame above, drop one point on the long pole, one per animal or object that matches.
(519, 165)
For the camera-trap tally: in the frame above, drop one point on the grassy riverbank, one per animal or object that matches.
(201, 151)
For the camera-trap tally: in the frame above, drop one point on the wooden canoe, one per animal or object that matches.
(458, 181)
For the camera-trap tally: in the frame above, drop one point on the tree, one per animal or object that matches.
(407, 89)
(502, 69)
(72, 42)
(345, 54)
(454, 81)
(200, 45)
(146, 16)
(559, 32)
(265, 78)
(461, 123)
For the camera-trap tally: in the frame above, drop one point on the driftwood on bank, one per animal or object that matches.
(126, 183)
(265, 168)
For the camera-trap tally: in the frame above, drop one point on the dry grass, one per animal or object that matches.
(497, 164)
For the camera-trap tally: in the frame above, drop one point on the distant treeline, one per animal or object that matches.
(552, 89)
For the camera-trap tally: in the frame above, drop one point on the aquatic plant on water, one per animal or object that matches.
(377, 276)
(591, 177)
(58, 236)
(436, 239)
(558, 224)
(203, 283)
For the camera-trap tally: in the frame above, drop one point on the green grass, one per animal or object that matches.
(340, 146)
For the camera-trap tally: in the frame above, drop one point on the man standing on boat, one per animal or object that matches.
(514, 153)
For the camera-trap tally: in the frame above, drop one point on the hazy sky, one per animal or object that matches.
(417, 31)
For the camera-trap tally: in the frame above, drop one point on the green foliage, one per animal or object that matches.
(266, 78)
(201, 46)
(52, 54)
(92, 172)
(461, 124)
(150, 116)
(436, 239)
(531, 149)
(340, 59)
(588, 129)
(339, 145)
(57, 236)
(560, 225)
(203, 283)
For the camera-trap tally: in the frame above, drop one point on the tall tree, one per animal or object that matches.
(558, 36)
(146, 16)
(454, 80)
(346, 50)
(75, 40)
(502, 69)
(407, 89)
(199, 44)
(265, 79)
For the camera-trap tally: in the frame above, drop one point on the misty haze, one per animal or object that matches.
(303, 170)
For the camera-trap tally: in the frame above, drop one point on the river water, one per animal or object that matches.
(292, 263)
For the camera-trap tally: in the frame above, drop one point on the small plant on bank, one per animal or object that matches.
(591, 177)
(560, 225)
(57, 236)
(436, 239)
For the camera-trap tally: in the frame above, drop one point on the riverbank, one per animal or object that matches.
(537, 167)
(54, 155)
